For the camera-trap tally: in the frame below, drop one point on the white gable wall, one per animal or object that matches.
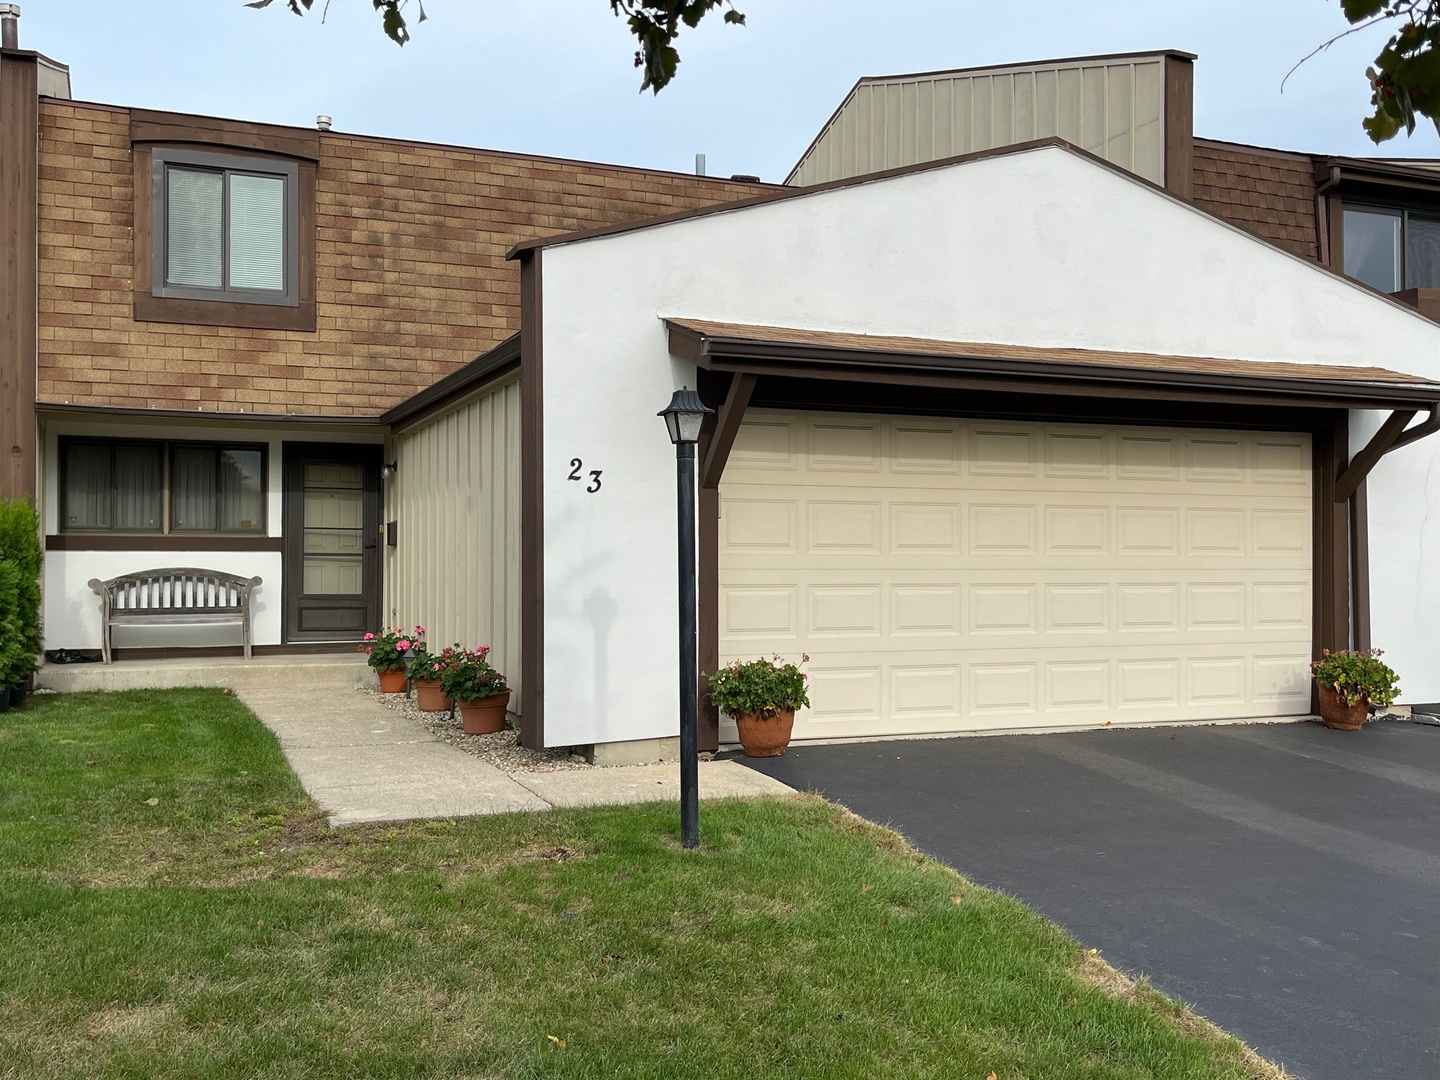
(1042, 248)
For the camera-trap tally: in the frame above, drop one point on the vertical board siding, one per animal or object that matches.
(1112, 108)
(456, 497)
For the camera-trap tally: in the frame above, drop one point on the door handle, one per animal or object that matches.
(371, 546)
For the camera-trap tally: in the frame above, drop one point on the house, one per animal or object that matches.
(1032, 410)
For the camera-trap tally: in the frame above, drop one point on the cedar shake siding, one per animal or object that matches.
(411, 278)
(1266, 192)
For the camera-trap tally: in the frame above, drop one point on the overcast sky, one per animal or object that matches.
(555, 76)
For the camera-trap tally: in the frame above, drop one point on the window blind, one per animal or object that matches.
(195, 209)
(257, 232)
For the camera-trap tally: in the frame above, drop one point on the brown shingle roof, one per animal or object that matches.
(1269, 193)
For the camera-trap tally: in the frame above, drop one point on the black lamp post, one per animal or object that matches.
(683, 418)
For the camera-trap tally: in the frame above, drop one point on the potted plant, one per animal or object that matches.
(387, 651)
(478, 689)
(424, 671)
(1350, 683)
(762, 696)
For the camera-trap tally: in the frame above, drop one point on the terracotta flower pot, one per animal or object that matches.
(1340, 715)
(392, 682)
(765, 736)
(486, 715)
(429, 697)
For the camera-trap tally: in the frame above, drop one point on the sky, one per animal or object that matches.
(555, 77)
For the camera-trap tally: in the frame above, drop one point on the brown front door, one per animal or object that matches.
(332, 541)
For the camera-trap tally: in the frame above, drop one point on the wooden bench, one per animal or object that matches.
(177, 595)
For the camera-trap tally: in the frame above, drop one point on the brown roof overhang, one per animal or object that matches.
(792, 352)
(500, 360)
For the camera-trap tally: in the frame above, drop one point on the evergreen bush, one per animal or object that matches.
(20, 560)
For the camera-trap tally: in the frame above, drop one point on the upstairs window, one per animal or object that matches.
(225, 228)
(1392, 249)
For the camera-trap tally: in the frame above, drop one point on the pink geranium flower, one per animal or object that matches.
(402, 645)
(369, 637)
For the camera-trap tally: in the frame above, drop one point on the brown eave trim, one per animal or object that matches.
(210, 415)
(169, 542)
(1376, 172)
(778, 358)
(782, 194)
(487, 367)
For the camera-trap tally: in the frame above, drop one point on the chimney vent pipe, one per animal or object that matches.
(10, 26)
(323, 122)
(699, 164)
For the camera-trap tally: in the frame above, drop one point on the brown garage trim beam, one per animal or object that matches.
(727, 426)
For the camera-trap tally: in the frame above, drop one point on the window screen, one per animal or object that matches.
(225, 228)
(123, 486)
(1373, 246)
(1391, 248)
(111, 486)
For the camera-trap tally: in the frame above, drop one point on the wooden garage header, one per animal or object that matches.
(773, 350)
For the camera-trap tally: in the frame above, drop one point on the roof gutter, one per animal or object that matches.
(1322, 213)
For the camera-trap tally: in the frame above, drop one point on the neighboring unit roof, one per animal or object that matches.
(1269, 376)
(783, 193)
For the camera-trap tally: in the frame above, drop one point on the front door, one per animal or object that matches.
(332, 541)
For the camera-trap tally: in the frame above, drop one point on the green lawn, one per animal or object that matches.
(226, 932)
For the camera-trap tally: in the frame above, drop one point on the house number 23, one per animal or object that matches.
(576, 468)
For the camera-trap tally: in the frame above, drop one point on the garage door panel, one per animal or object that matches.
(1002, 451)
(926, 448)
(952, 575)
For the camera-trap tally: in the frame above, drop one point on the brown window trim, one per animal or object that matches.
(159, 542)
(151, 308)
(96, 539)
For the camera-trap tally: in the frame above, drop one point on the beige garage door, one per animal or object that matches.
(951, 575)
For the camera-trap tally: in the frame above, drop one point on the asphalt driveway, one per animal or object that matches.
(1282, 879)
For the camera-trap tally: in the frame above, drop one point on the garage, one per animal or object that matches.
(957, 575)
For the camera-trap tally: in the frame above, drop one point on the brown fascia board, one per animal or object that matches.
(387, 140)
(1376, 172)
(63, 408)
(783, 193)
(735, 350)
(1179, 54)
(500, 360)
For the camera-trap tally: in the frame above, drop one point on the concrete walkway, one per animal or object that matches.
(362, 762)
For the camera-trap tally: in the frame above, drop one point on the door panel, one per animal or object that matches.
(949, 575)
(332, 534)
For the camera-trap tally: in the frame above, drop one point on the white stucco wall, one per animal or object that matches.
(72, 609)
(1040, 248)
(1403, 494)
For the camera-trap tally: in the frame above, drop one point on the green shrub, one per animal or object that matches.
(15, 662)
(1357, 675)
(21, 638)
(762, 686)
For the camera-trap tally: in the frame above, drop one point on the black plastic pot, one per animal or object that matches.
(17, 695)
(4, 699)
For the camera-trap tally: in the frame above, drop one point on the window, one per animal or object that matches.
(121, 485)
(1392, 249)
(225, 228)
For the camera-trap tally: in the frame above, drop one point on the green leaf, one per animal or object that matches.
(1359, 10)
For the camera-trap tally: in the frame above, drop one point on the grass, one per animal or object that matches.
(225, 931)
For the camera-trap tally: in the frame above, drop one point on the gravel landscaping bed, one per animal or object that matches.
(503, 749)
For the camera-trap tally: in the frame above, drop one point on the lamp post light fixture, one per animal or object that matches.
(683, 419)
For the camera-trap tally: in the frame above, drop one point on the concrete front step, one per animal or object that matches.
(313, 672)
